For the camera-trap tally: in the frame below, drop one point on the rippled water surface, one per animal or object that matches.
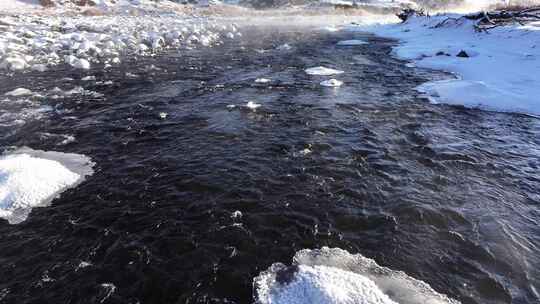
(449, 195)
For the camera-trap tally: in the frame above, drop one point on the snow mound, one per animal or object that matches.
(31, 178)
(322, 71)
(333, 275)
(351, 42)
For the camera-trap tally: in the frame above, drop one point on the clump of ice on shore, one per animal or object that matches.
(322, 71)
(333, 275)
(31, 178)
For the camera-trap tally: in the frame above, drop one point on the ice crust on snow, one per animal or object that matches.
(333, 275)
(32, 178)
(501, 72)
(322, 71)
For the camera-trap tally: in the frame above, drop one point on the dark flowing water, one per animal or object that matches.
(449, 195)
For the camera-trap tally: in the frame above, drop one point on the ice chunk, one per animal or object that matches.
(31, 178)
(236, 215)
(331, 83)
(251, 105)
(88, 78)
(19, 92)
(78, 63)
(322, 71)
(284, 47)
(14, 63)
(351, 42)
(262, 80)
(319, 285)
(335, 276)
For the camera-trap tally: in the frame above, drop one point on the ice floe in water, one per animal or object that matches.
(322, 71)
(262, 80)
(351, 42)
(331, 83)
(32, 178)
(333, 275)
(252, 105)
(19, 92)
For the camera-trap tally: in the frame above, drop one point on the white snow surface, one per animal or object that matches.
(500, 74)
(322, 71)
(334, 276)
(31, 178)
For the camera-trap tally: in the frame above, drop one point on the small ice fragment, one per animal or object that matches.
(163, 115)
(331, 83)
(84, 264)
(231, 106)
(322, 71)
(236, 215)
(284, 47)
(88, 78)
(306, 151)
(262, 80)
(351, 42)
(251, 105)
(19, 92)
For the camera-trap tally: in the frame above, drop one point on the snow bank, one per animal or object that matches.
(31, 178)
(500, 72)
(335, 276)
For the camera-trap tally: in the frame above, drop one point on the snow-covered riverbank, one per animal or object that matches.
(37, 42)
(495, 70)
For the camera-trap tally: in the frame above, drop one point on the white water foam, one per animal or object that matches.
(31, 178)
(333, 275)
